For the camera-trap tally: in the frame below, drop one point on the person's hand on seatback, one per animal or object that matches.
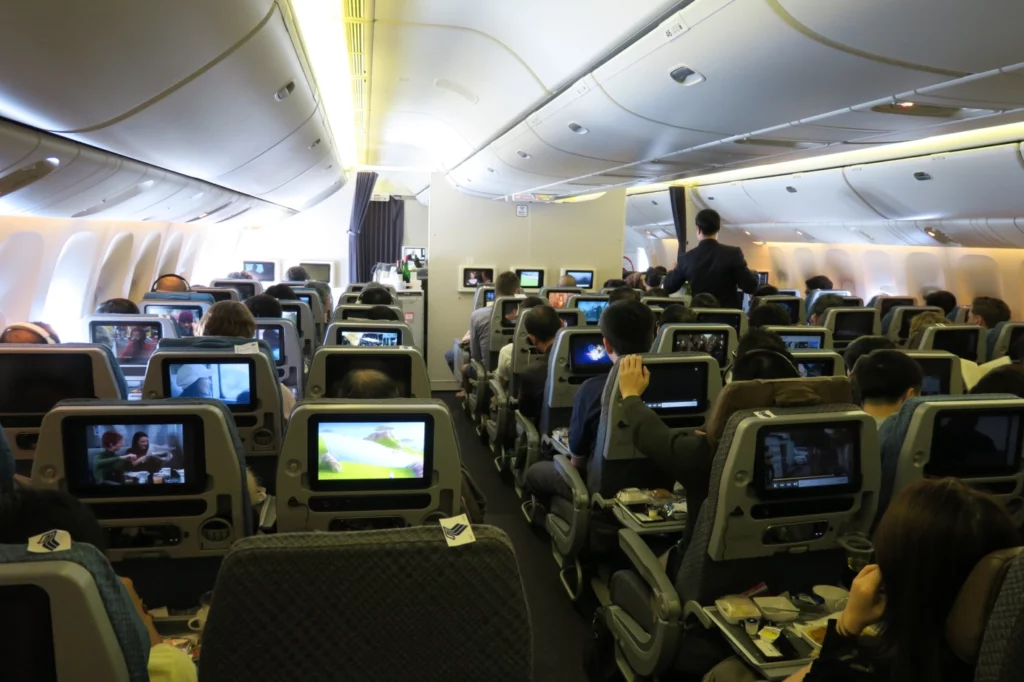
(633, 376)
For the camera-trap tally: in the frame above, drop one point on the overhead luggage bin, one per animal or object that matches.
(818, 197)
(649, 209)
(732, 202)
(931, 187)
(16, 143)
(312, 182)
(544, 154)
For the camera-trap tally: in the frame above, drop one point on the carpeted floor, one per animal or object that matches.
(559, 631)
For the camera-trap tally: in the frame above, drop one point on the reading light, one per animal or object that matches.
(747, 232)
(53, 160)
(524, 154)
(800, 233)
(578, 129)
(198, 195)
(905, 105)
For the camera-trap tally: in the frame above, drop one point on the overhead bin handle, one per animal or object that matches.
(283, 93)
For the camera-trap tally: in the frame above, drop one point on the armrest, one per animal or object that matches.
(572, 478)
(694, 609)
(647, 565)
(498, 390)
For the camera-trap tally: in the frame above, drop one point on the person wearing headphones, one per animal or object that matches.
(30, 332)
(171, 284)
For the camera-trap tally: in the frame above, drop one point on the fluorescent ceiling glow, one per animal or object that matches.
(53, 160)
(322, 27)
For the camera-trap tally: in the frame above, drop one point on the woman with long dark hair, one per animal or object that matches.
(929, 540)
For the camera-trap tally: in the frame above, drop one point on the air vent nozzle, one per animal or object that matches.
(922, 176)
(684, 75)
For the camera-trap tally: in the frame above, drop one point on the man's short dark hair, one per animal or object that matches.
(506, 284)
(263, 305)
(819, 282)
(766, 290)
(885, 376)
(624, 293)
(823, 303)
(296, 273)
(765, 364)
(628, 326)
(117, 306)
(542, 322)
(28, 512)
(367, 384)
(769, 315)
(662, 270)
(941, 299)
(864, 345)
(1006, 379)
(991, 310)
(708, 222)
(531, 302)
(376, 295)
(760, 339)
(677, 314)
(613, 283)
(705, 301)
(657, 292)
(653, 277)
(282, 292)
(382, 312)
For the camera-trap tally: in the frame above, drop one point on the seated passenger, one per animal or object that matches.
(628, 329)
(296, 273)
(172, 284)
(1006, 379)
(282, 292)
(884, 380)
(542, 325)
(614, 283)
(263, 305)
(241, 274)
(636, 280)
(677, 313)
(920, 323)
(366, 384)
(231, 318)
(28, 513)
(988, 312)
(816, 315)
(566, 281)
(382, 313)
(863, 346)
(624, 294)
(818, 282)
(506, 284)
(929, 540)
(941, 299)
(769, 315)
(766, 290)
(375, 294)
(652, 280)
(29, 332)
(117, 306)
(704, 301)
(764, 364)
(657, 291)
(505, 355)
(326, 298)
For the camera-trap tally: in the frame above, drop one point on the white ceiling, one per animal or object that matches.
(465, 86)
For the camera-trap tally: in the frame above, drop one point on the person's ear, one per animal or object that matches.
(607, 346)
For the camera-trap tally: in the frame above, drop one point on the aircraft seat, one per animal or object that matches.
(994, 595)
(404, 365)
(358, 311)
(244, 287)
(412, 599)
(197, 517)
(663, 301)
(572, 317)
(500, 423)
(592, 305)
(311, 297)
(174, 309)
(355, 287)
(71, 603)
(813, 297)
(849, 324)
(896, 323)
(736, 319)
(966, 341)
(302, 317)
(286, 350)
(930, 437)
(35, 377)
(328, 438)
(819, 363)
(483, 297)
(178, 296)
(7, 469)
(959, 314)
(558, 297)
(794, 305)
(375, 333)
(218, 293)
(803, 338)
(500, 333)
(717, 340)
(1006, 336)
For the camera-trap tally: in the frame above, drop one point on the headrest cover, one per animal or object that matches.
(965, 626)
(35, 328)
(750, 395)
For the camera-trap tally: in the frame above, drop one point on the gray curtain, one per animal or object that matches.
(380, 240)
(677, 195)
(360, 204)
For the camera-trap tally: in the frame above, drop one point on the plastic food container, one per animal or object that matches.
(736, 608)
(777, 609)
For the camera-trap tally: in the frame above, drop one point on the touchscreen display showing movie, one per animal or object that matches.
(592, 309)
(587, 354)
(229, 382)
(803, 341)
(132, 344)
(792, 306)
(318, 272)
(261, 270)
(186, 318)
(293, 316)
(812, 459)
(584, 278)
(531, 279)
(972, 444)
(475, 277)
(559, 299)
(362, 452)
(715, 344)
(368, 338)
(810, 369)
(274, 336)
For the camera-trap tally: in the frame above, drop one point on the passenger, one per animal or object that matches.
(818, 282)
(296, 273)
(30, 332)
(677, 313)
(636, 280)
(624, 294)
(382, 313)
(704, 301)
(760, 339)
(172, 284)
(117, 306)
(816, 315)
(367, 384)
(375, 294)
(711, 267)
(28, 513)
(657, 291)
(766, 290)
(988, 312)
(505, 355)
(542, 325)
(884, 380)
(263, 305)
(628, 329)
(941, 299)
(326, 298)
(764, 364)
(863, 346)
(506, 284)
(615, 283)
(929, 540)
(241, 274)
(686, 458)
(922, 322)
(1006, 379)
(769, 315)
(282, 292)
(566, 281)
(652, 280)
(662, 270)
(232, 319)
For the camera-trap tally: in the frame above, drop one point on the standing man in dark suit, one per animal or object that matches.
(713, 268)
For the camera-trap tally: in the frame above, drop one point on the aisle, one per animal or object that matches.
(559, 632)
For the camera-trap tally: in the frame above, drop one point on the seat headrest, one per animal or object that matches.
(750, 395)
(965, 625)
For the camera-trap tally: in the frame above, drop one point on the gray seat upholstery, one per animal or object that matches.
(1001, 657)
(97, 634)
(402, 606)
(999, 341)
(849, 324)
(6, 465)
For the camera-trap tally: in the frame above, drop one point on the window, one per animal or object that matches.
(642, 261)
